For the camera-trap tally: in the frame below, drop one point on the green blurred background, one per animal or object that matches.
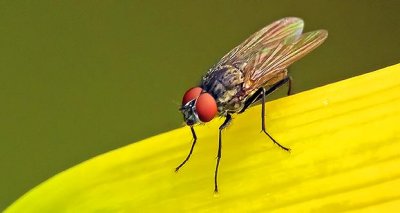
(80, 78)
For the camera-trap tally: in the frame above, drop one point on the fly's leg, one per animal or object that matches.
(289, 81)
(257, 95)
(191, 149)
(263, 94)
(228, 119)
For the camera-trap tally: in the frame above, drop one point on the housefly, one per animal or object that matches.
(246, 75)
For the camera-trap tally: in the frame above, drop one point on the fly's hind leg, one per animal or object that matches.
(261, 94)
(257, 95)
(289, 81)
(263, 121)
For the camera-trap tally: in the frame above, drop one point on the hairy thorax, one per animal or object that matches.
(224, 83)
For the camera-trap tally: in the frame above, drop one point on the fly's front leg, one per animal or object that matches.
(263, 92)
(228, 119)
(191, 150)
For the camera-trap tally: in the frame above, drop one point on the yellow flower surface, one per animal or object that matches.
(345, 141)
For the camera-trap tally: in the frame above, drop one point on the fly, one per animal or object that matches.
(247, 74)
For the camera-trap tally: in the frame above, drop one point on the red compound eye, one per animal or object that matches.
(191, 94)
(206, 107)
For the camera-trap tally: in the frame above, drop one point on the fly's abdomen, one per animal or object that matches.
(224, 83)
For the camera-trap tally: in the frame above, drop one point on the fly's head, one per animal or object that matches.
(198, 106)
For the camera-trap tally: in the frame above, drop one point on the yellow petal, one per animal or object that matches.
(345, 141)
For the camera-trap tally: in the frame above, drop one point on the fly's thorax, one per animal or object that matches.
(224, 83)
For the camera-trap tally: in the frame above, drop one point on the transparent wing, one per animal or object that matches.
(269, 62)
(267, 38)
